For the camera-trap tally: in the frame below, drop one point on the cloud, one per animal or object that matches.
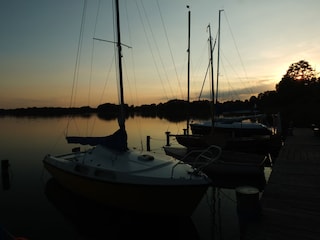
(243, 93)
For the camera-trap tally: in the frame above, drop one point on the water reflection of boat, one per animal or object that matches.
(97, 221)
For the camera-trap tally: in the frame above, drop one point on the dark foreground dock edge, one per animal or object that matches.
(290, 203)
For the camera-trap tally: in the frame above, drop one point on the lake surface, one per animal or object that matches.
(34, 206)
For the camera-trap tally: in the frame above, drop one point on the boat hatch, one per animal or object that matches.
(146, 157)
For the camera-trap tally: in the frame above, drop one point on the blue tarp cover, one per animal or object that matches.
(116, 141)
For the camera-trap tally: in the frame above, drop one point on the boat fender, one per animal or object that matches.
(146, 157)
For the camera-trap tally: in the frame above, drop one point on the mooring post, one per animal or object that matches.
(168, 138)
(148, 143)
(5, 174)
(4, 164)
(248, 206)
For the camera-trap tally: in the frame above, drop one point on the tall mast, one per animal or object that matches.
(121, 117)
(212, 82)
(188, 76)
(218, 61)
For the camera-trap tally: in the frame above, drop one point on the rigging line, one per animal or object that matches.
(132, 59)
(245, 72)
(232, 92)
(91, 69)
(152, 54)
(107, 79)
(92, 52)
(156, 45)
(127, 78)
(204, 80)
(208, 67)
(113, 57)
(170, 50)
(137, 122)
(200, 61)
(103, 40)
(115, 50)
(225, 73)
(77, 63)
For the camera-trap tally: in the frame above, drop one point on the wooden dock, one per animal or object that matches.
(291, 200)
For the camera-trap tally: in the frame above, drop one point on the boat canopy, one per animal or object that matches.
(116, 141)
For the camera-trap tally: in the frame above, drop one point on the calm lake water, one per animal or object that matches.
(32, 205)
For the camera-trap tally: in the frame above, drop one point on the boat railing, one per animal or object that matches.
(202, 158)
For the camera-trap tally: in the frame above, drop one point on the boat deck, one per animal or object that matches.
(291, 199)
(231, 170)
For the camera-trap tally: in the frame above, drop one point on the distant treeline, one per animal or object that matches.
(46, 111)
(296, 98)
(173, 110)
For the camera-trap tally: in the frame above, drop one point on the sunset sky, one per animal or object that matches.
(39, 42)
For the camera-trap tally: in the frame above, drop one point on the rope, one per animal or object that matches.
(157, 48)
(77, 64)
(76, 70)
(173, 62)
(151, 51)
(237, 49)
(205, 77)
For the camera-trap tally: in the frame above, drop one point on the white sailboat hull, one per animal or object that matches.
(130, 180)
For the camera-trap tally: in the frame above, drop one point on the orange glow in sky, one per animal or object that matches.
(259, 41)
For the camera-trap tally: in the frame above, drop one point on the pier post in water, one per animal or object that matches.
(168, 138)
(5, 174)
(248, 206)
(148, 143)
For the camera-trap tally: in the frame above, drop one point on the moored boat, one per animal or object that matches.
(111, 173)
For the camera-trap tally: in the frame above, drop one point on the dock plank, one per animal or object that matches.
(291, 199)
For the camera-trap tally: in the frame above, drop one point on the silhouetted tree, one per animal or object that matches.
(268, 101)
(301, 71)
(295, 84)
(298, 94)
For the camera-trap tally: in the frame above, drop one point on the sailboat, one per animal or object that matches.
(186, 139)
(229, 133)
(227, 163)
(112, 174)
(213, 137)
(235, 126)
